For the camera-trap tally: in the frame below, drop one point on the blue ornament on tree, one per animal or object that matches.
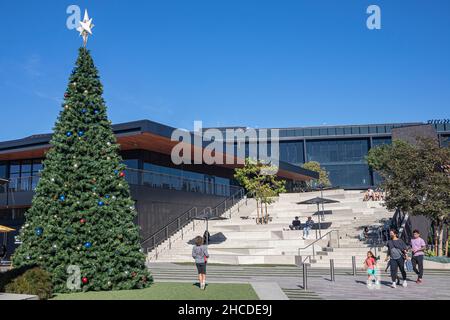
(84, 110)
(107, 196)
(100, 203)
(116, 171)
(96, 111)
(87, 245)
(80, 133)
(69, 134)
(38, 231)
(62, 198)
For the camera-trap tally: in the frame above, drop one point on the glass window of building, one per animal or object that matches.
(440, 126)
(3, 169)
(381, 129)
(389, 128)
(354, 175)
(315, 132)
(340, 131)
(299, 132)
(355, 130)
(344, 159)
(131, 163)
(364, 130)
(331, 131)
(445, 141)
(3, 174)
(36, 171)
(292, 152)
(330, 151)
(347, 130)
(307, 132)
(171, 178)
(24, 174)
(379, 141)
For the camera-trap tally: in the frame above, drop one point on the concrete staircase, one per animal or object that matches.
(239, 240)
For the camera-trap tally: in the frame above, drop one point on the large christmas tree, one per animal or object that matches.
(82, 214)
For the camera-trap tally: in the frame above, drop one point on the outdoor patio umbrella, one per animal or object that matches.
(206, 217)
(4, 229)
(318, 201)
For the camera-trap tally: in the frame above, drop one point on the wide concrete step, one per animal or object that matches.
(237, 259)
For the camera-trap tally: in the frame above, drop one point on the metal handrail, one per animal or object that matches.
(370, 247)
(165, 230)
(317, 240)
(186, 218)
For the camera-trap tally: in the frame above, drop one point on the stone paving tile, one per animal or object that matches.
(349, 287)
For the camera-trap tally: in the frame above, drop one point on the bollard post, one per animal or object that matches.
(354, 265)
(332, 275)
(305, 276)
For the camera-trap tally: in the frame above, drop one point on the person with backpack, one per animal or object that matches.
(397, 250)
(201, 255)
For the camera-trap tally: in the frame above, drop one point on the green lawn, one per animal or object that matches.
(171, 291)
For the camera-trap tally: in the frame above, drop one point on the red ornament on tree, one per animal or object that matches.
(84, 280)
(122, 174)
(83, 221)
(66, 95)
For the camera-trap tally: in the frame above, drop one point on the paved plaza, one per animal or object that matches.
(436, 284)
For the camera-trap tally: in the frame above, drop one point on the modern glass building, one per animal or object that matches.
(342, 150)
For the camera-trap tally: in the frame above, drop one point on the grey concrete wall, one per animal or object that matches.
(157, 207)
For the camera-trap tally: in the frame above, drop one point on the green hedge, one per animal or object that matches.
(438, 259)
(27, 280)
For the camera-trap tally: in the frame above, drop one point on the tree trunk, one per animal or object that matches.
(435, 235)
(257, 211)
(441, 239)
(267, 216)
(446, 244)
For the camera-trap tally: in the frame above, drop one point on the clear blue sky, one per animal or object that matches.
(259, 63)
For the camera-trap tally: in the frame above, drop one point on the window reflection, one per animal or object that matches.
(156, 176)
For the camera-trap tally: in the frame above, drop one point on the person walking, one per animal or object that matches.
(418, 246)
(397, 250)
(371, 265)
(201, 255)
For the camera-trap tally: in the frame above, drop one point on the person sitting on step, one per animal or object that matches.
(295, 224)
(307, 228)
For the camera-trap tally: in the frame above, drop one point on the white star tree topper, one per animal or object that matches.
(85, 28)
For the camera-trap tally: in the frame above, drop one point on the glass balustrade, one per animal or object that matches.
(141, 177)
